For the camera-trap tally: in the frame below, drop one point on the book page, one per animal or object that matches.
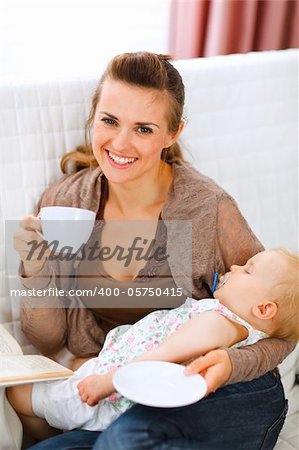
(8, 344)
(24, 367)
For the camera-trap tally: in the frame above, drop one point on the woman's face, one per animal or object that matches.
(130, 131)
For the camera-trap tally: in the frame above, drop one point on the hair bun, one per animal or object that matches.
(165, 57)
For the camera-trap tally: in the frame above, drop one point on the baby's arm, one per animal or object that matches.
(200, 334)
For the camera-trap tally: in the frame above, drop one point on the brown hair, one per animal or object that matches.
(286, 293)
(144, 69)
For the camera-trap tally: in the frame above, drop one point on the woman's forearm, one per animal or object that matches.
(44, 327)
(255, 360)
(43, 316)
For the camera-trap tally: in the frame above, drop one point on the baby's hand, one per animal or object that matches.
(94, 388)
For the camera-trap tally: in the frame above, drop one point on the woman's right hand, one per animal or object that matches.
(26, 241)
(215, 366)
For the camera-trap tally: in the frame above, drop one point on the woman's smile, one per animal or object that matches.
(120, 161)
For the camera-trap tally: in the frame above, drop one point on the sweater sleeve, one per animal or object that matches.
(51, 321)
(236, 243)
(254, 360)
(43, 318)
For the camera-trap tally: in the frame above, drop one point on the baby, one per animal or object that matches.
(251, 302)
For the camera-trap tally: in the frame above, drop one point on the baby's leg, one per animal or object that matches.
(20, 399)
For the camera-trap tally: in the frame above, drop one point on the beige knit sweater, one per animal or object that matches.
(220, 237)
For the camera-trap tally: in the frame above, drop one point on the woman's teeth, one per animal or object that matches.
(121, 159)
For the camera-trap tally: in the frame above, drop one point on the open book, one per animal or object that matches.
(16, 368)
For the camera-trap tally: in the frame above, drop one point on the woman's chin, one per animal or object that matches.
(117, 177)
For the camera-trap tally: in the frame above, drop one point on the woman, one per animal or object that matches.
(137, 173)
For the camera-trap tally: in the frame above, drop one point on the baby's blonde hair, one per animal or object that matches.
(286, 295)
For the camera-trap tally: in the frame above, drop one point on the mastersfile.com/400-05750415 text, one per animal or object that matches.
(98, 291)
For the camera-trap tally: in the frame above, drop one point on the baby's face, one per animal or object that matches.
(253, 282)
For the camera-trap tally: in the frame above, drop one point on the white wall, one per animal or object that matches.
(77, 37)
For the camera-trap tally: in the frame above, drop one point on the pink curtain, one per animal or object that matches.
(220, 27)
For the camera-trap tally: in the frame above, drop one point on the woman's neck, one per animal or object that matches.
(140, 199)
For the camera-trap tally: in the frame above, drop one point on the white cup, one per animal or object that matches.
(66, 226)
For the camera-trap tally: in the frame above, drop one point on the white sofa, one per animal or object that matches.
(241, 113)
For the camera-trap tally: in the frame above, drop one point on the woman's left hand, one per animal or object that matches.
(215, 367)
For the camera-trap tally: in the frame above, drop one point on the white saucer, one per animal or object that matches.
(158, 383)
